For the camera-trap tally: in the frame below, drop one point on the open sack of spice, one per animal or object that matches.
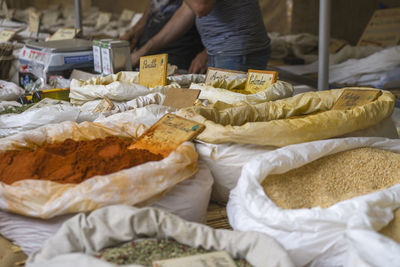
(117, 233)
(234, 134)
(325, 201)
(91, 167)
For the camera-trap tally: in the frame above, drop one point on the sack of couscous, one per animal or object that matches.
(324, 201)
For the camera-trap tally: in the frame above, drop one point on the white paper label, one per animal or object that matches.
(106, 60)
(97, 59)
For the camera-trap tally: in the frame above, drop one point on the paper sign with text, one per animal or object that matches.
(64, 34)
(103, 19)
(6, 35)
(351, 98)
(34, 20)
(181, 97)
(383, 29)
(211, 259)
(259, 80)
(214, 74)
(127, 15)
(153, 70)
(167, 134)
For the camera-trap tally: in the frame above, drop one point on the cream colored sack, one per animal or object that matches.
(82, 236)
(216, 92)
(122, 86)
(302, 118)
(137, 185)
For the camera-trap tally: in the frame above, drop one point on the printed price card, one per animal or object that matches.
(33, 20)
(64, 34)
(153, 70)
(214, 74)
(212, 259)
(258, 80)
(6, 35)
(351, 98)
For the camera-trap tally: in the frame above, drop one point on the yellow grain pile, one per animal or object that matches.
(334, 178)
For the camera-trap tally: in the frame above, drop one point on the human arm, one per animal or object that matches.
(199, 63)
(134, 33)
(201, 7)
(177, 26)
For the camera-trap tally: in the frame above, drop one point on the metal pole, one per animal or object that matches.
(323, 45)
(78, 15)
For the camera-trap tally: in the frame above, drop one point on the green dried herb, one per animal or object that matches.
(145, 251)
(16, 110)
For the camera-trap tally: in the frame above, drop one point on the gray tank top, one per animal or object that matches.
(233, 27)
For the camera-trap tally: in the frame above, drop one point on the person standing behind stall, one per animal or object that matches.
(232, 32)
(180, 52)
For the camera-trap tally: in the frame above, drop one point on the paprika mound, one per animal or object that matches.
(72, 161)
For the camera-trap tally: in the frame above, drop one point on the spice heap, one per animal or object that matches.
(145, 251)
(334, 178)
(72, 161)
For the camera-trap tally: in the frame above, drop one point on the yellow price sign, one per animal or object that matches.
(153, 70)
(259, 80)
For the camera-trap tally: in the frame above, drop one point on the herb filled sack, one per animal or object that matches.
(142, 184)
(112, 226)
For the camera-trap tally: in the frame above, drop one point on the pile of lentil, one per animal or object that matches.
(145, 251)
(72, 161)
(334, 178)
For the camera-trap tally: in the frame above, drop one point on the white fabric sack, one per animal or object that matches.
(82, 236)
(350, 71)
(138, 102)
(30, 119)
(186, 79)
(188, 199)
(122, 86)
(226, 160)
(9, 91)
(147, 115)
(276, 91)
(318, 237)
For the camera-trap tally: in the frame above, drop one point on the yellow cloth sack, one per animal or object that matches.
(139, 185)
(232, 91)
(301, 118)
